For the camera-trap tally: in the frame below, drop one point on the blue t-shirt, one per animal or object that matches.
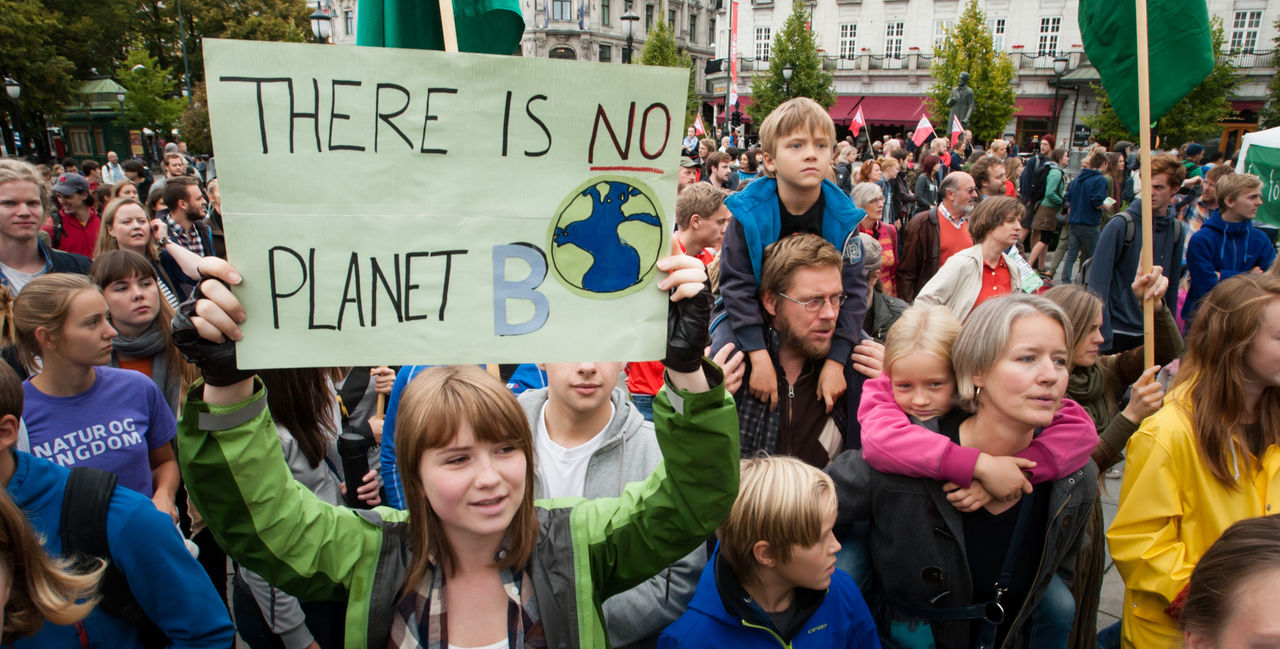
(112, 426)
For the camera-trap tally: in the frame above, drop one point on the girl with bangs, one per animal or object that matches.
(473, 562)
(127, 225)
(141, 318)
(1208, 458)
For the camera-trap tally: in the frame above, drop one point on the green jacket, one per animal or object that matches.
(1055, 190)
(587, 549)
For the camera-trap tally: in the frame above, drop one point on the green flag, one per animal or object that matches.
(1180, 50)
(484, 26)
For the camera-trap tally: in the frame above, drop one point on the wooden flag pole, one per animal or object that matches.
(447, 26)
(1144, 133)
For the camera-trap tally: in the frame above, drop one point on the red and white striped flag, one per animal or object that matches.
(923, 130)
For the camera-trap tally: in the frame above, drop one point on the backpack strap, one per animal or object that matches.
(58, 230)
(83, 530)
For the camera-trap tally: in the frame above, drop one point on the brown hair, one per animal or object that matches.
(991, 214)
(929, 164)
(1096, 158)
(716, 158)
(175, 189)
(783, 257)
(1218, 171)
(432, 409)
(1226, 322)
(1249, 549)
(44, 302)
(981, 170)
(40, 587)
(116, 265)
(107, 242)
(703, 199)
(1082, 307)
(1169, 166)
(782, 502)
(303, 401)
(795, 115)
(119, 187)
(864, 172)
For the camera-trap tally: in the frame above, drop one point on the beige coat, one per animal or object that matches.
(958, 282)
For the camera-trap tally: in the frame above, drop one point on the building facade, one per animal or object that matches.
(879, 52)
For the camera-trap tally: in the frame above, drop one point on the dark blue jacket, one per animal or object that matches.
(838, 618)
(757, 222)
(1086, 195)
(168, 583)
(1115, 264)
(1219, 250)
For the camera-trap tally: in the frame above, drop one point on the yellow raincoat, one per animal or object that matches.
(1172, 509)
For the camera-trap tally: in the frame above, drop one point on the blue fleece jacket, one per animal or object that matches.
(168, 583)
(1086, 194)
(1219, 250)
(1115, 264)
(842, 620)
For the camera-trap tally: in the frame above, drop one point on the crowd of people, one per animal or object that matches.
(888, 393)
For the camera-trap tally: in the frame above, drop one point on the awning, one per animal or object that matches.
(1034, 107)
(1246, 104)
(879, 110)
(743, 102)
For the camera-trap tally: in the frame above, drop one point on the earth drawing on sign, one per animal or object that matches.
(606, 237)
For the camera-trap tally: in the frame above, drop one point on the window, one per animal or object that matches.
(561, 10)
(893, 39)
(996, 27)
(604, 12)
(693, 27)
(671, 21)
(606, 54)
(78, 139)
(349, 22)
(762, 43)
(1049, 28)
(848, 40)
(711, 29)
(940, 28)
(648, 18)
(1244, 31)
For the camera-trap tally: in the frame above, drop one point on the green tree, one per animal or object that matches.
(1270, 116)
(151, 92)
(31, 57)
(194, 123)
(797, 47)
(660, 49)
(1194, 118)
(94, 36)
(967, 47)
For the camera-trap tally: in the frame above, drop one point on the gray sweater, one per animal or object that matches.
(629, 453)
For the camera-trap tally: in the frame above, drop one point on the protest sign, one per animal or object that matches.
(1261, 157)
(407, 206)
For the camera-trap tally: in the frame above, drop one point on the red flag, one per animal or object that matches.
(923, 130)
(956, 130)
(697, 125)
(858, 122)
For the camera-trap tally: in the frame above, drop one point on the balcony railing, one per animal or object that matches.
(1249, 60)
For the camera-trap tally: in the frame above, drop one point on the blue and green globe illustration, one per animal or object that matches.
(606, 237)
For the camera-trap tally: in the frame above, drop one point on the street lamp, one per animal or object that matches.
(321, 24)
(630, 18)
(14, 89)
(1059, 69)
(128, 137)
(786, 79)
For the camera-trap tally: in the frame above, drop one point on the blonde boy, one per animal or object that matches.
(773, 577)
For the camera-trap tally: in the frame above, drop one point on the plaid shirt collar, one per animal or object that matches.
(421, 618)
(189, 240)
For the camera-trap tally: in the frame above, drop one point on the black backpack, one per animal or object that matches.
(58, 231)
(83, 530)
(1039, 182)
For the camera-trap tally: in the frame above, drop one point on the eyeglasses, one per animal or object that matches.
(815, 305)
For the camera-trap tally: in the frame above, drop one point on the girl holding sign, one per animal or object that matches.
(526, 574)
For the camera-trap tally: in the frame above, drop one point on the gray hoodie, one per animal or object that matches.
(629, 453)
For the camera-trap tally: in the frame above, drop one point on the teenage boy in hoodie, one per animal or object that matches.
(773, 579)
(589, 441)
(1085, 196)
(1227, 244)
(167, 582)
(1115, 263)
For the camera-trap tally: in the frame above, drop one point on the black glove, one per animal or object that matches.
(688, 324)
(217, 361)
